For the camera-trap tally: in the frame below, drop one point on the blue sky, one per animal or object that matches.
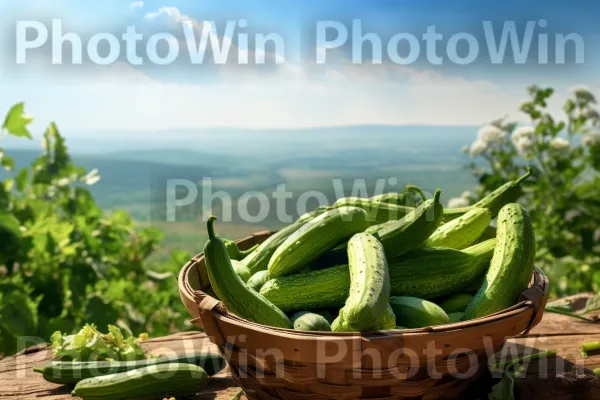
(298, 92)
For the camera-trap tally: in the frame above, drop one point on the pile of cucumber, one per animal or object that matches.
(124, 380)
(374, 264)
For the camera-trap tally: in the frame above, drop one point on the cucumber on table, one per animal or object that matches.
(70, 372)
(154, 382)
(309, 321)
(457, 302)
(257, 281)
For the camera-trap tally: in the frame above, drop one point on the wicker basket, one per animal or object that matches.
(430, 363)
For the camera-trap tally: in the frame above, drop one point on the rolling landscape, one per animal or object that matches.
(134, 171)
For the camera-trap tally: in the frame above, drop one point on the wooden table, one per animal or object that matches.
(569, 375)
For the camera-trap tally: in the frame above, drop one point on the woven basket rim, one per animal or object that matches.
(535, 296)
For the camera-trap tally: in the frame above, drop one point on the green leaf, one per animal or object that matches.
(9, 224)
(16, 121)
(18, 314)
(592, 304)
(21, 179)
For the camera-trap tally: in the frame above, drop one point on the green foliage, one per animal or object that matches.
(563, 195)
(65, 262)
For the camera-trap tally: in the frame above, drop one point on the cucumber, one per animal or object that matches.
(304, 218)
(489, 233)
(241, 270)
(337, 256)
(512, 264)
(232, 291)
(234, 251)
(257, 281)
(378, 212)
(456, 316)
(315, 238)
(307, 321)
(70, 373)
(154, 382)
(258, 260)
(505, 194)
(430, 273)
(320, 289)
(457, 302)
(399, 237)
(388, 319)
(461, 232)
(401, 199)
(369, 286)
(413, 312)
(450, 214)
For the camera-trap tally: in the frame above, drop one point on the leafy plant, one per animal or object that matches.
(65, 262)
(563, 196)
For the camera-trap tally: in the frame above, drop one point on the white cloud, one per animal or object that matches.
(137, 4)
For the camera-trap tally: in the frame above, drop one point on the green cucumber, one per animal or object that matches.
(457, 302)
(413, 312)
(461, 232)
(315, 238)
(320, 289)
(234, 251)
(241, 270)
(232, 291)
(505, 194)
(307, 321)
(511, 267)
(401, 199)
(456, 316)
(369, 285)
(257, 281)
(70, 372)
(430, 273)
(258, 260)
(378, 212)
(154, 382)
(411, 231)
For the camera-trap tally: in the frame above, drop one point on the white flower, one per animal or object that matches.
(477, 147)
(523, 139)
(591, 139)
(457, 202)
(491, 135)
(559, 144)
(466, 195)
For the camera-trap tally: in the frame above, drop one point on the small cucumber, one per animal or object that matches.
(70, 372)
(315, 238)
(457, 302)
(461, 232)
(257, 281)
(399, 237)
(307, 321)
(232, 291)
(369, 285)
(413, 312)
(154, 382)
(511, 267)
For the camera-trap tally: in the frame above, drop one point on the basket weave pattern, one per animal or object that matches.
(429, 363)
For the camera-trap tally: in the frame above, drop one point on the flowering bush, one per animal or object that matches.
(563, 195)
